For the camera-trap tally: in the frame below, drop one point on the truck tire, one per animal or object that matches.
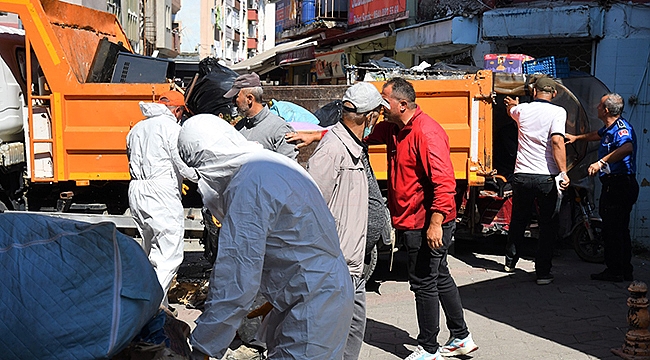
(370, 263)
(592, 251)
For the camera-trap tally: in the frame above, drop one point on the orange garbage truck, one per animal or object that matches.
(70, 87)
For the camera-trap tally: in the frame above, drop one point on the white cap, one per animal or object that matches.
(365, 97)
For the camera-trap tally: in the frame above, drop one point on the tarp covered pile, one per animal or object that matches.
(71, 290)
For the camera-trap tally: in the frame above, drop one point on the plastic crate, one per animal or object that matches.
(510, 63)
(552, 66)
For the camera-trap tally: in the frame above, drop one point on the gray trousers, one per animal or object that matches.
(358, 326)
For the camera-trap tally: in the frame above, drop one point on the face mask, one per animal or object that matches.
(367, 131)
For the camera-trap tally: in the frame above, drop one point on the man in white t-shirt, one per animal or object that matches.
(539, 170)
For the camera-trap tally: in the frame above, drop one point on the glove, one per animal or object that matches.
(559, 179)
(184, 189)
(216, 222)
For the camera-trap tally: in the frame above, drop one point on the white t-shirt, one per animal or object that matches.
(537, 122)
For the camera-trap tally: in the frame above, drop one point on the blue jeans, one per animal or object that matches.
(433, 285)
(526, 188)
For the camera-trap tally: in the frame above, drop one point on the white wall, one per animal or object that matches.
(622, 61)
(267, 22)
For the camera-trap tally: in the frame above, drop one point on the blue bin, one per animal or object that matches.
(308, 11)
(552, 66)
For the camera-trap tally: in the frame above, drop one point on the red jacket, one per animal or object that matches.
(420, 173)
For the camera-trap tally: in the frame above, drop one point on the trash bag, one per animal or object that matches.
(205, 96)
(210, 239)
(384, 62)
(330, 114)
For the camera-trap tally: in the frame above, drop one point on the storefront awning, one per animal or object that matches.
(440, 37)
(573, 21)
(265, 61)
(302, 54)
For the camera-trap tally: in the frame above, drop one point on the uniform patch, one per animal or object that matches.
(607, 139)
(623, 132)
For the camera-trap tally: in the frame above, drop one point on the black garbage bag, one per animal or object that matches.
(206, 95)
(384, 62)
(329, 114)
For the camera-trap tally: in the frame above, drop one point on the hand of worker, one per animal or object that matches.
(562, 181)
(303, 138)
(434, 236)
(599, 165)
(184, 189)
(510, 101)
(569, 139)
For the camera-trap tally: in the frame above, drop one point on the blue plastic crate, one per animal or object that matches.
(552, 66)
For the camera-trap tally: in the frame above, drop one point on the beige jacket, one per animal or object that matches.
(337, 168)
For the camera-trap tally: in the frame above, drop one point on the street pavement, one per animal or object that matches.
(509, 315)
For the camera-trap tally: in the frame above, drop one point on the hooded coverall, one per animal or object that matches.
(157, 172)
(278, 237)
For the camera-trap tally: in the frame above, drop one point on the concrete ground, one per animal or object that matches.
(509, 315)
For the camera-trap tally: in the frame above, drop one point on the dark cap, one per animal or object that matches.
(545, 84)
(241, 82)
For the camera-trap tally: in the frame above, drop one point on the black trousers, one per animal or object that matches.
(619, 193)
(526, 188)
(433, 286)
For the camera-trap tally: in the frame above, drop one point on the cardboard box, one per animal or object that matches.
(510, 63)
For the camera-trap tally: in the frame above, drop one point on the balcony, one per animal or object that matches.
(237, 5)
(251, 43)
(237, 37)
(252, 15)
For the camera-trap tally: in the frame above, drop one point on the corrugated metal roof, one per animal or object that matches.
(259, 59)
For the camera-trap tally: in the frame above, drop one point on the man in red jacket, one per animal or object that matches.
(421, 191)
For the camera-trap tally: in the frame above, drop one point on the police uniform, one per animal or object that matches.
(619, 193)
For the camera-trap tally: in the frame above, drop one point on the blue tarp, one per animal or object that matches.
(71, 290)
(291, 112)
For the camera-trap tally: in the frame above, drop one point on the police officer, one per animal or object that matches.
(616, 167)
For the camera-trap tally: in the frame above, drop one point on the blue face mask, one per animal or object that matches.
(367, 131)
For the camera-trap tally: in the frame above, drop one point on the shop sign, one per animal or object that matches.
(362, 11)
(306, 53)
(285, 15)
(331, 64)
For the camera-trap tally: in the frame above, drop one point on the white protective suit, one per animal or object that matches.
(157, 172)
(278, 237)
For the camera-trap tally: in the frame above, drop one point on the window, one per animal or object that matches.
(168, 18)
(579, 53)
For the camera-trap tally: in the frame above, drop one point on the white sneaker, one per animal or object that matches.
(455, 346)
(420, 354)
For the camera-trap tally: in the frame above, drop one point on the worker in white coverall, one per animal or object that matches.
(278, 237)
(157, 172)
